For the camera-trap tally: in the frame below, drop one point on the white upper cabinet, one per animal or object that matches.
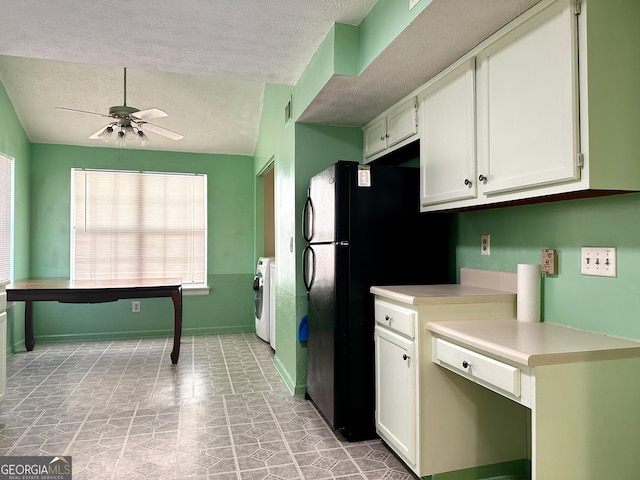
(528, 104)
(555, 104)
(375, 137)
(393, 129)
(448, 137)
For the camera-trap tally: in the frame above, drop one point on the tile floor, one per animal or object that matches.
(122, 411)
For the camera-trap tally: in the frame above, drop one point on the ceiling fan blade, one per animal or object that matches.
(161, 131)
(82, 111)
(150, 113)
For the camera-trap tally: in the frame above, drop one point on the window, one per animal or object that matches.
(6, 174)
(138, 225)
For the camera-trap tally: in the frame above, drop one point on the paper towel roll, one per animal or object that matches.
(528, 301)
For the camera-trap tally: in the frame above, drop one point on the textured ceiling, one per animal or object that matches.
(205, 62)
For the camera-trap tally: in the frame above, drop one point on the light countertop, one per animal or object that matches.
(441, 294)
(534, 344)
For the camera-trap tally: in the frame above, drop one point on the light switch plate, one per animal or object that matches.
(598, 261)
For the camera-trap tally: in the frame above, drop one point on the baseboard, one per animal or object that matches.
(513, 470)
(18, 347)
(82, 337)
(295, 390)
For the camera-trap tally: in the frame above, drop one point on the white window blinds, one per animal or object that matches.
(138, 225)
(6, 169)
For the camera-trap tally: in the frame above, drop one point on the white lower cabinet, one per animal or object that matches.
(422, 412)
(396, 392)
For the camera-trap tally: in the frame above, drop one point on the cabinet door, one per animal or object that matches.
(528, 103)
(402, 122)
(395, 392)
(375, 137)
(448, 138)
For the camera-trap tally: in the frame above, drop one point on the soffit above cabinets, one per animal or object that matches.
(442, 33)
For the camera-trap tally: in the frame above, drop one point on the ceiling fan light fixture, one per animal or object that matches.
(144, 140)
(126, 121)
(106, 134)
(129, 133)
(120, 139)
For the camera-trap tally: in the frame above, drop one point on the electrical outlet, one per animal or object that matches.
(598, 261)
(135, 306)
(485, 244)
(549, 261)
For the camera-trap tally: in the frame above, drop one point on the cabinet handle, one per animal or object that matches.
(387, 135)
(467, 182)
(382, 138)
(465, 364)
(482, 178)
(387, 318)
(405, 357)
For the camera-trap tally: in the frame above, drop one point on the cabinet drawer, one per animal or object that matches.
(477, 367)
(398, 319)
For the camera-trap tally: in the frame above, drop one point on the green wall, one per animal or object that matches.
(349, 49)
(518, 234)
(298, 152)
(14, 143)
(229, 305)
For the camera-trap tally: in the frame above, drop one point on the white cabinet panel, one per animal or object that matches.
(401, 122)
(448, 137)
(398, 319)
(478, 367)
(528, 104)
(392, 130)
(375, 137)
(396, 419)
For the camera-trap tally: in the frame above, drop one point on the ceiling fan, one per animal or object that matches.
(128, 122)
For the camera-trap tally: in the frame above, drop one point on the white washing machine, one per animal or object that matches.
(262, 297)
(272, 305)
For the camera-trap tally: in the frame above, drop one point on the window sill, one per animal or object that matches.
(188, 290)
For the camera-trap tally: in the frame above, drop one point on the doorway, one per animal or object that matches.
(269, 213)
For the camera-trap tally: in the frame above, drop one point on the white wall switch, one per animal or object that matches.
(598, 261)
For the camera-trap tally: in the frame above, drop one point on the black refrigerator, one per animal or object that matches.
(363, 227)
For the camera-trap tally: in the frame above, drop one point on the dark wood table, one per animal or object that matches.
(93, 291)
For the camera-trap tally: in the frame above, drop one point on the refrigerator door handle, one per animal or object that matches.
(306, 254)
(307, 220)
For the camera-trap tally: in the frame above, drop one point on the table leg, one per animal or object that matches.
(29, 341)
(176, 296)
